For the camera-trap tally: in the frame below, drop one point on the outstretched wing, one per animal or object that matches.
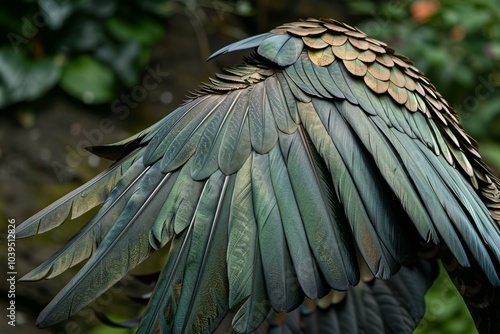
(325, 153)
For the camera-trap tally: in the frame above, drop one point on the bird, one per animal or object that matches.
(314, 188)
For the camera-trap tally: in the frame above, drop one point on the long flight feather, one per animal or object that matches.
(306, 267)
(282, 286)
(124, 246)
(320, 211)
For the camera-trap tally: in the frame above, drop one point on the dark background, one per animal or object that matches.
(72, 74)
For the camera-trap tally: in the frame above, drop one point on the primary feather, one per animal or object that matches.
(294, 192)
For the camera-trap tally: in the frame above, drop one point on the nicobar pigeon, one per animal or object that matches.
(310, 189)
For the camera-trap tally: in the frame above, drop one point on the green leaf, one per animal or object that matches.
(24, 79)
(89, 80)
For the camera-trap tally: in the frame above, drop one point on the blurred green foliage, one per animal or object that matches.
(91, 48)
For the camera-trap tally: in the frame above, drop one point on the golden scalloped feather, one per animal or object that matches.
(401, 63)
(367, 56)
(385, 60)
(322, 57)
(345, 51)
(400, 95)
(315, 42)
(328, 37)
(380, 72)
(359, 43)
(337, 40)
(356, 67)
(376, 85)
(408, 61)
(397, 77)
(376, 48)
(410, 84)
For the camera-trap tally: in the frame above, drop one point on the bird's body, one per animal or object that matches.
(324, 162)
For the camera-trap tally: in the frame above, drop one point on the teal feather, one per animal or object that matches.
(235, 146)
(366, 99)
(162, 306)
(305, 70)
(443, 147)
(306, 267)
(210, 301)
(206, 258)
(281, 281)
(376, 196)
(206, 156)
(263, 132)
(358, 190)
(337, 72)
(244, 264)
(282, 117)
(181, 141)
(290, 101)
(296, 91)
(320, 210)
(298, 76)
(437, 199)
(467, 201)
(116, 151)
(328, 81)
(242, 243)
(178, 210)
(181, 116)
(257, 306)
(415, 203)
